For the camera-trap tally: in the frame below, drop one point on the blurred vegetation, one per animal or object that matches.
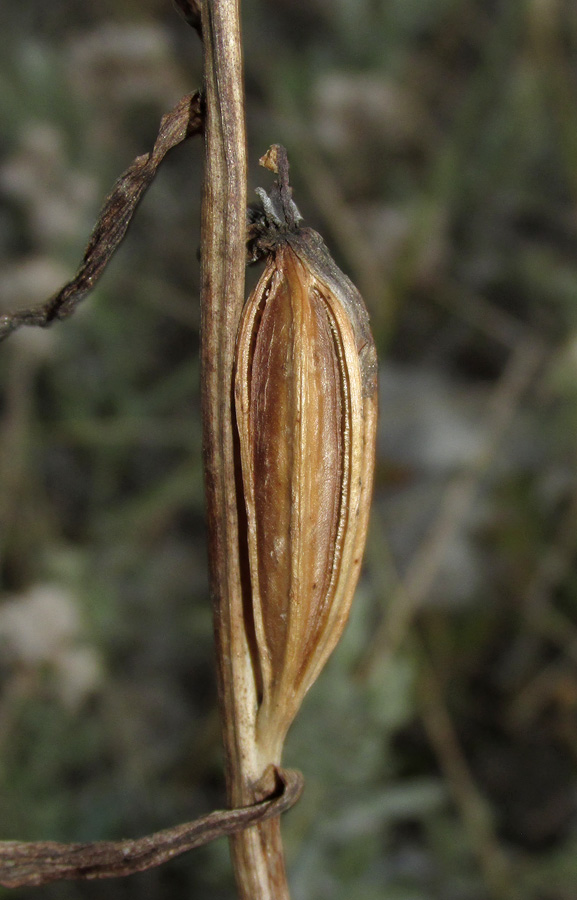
(434, 144)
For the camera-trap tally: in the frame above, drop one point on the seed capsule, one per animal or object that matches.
(305, 400)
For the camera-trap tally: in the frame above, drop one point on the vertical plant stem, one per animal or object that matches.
(257, 852)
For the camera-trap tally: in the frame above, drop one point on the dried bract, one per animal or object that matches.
(306, 396)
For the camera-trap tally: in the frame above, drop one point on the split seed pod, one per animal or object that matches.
(306, 404)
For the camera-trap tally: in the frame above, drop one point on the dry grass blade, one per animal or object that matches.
(183, 121)
(37, 863)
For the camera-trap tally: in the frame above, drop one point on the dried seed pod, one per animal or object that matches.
(305, 399)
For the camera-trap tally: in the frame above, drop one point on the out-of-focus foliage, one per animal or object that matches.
(434, 144)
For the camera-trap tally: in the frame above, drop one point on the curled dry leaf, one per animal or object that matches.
(306, 403)
(183, 121)
(24, 864)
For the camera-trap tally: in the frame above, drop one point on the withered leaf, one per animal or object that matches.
(183, 121)
(37, 863)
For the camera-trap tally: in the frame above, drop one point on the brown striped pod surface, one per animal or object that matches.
(306, 408)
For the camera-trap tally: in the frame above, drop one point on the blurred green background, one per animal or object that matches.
(434, 145)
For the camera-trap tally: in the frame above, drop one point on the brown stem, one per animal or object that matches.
(257, 852)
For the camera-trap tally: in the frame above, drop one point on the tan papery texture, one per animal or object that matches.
(305, 395)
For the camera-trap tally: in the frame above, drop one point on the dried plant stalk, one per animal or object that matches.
(305, 392)
(266, 662)
(257, 852)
